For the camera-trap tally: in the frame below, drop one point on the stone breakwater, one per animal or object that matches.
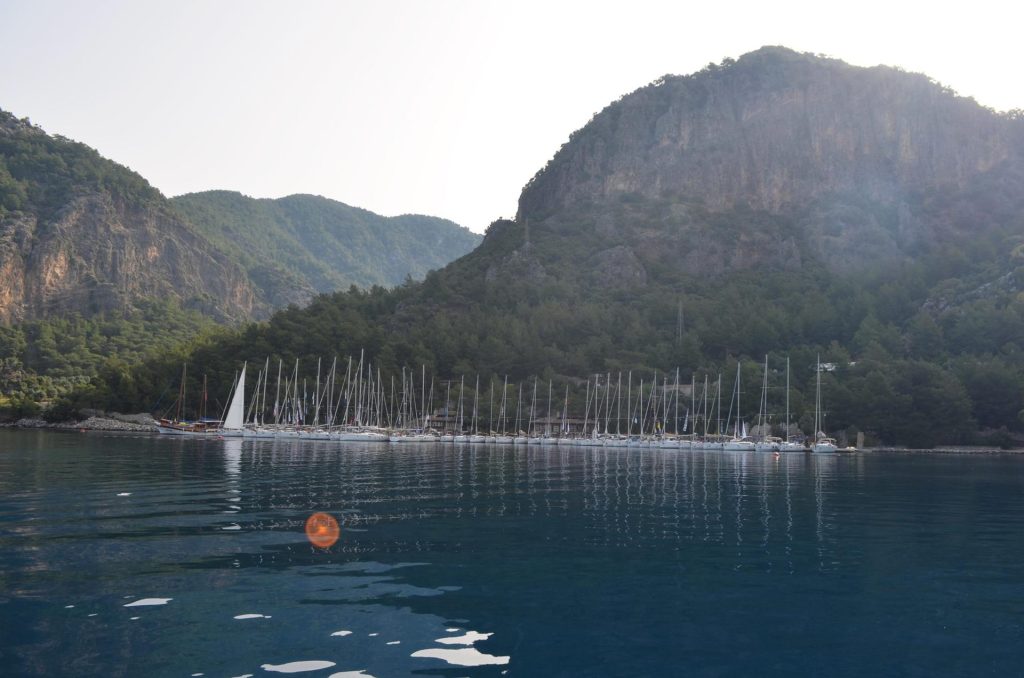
(135, 423)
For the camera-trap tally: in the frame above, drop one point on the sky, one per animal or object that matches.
(446, 107)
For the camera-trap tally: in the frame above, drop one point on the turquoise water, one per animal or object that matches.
(462, 561)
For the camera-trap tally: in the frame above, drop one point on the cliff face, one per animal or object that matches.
(79, 233)
(96, 255)
(700, 166)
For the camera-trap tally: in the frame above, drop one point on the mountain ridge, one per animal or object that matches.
(329, 245)
(80, 233)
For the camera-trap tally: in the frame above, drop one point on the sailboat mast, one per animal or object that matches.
(277, 395)
(430, 400)
(641, 413)
(181, 393)
(817, 398)
(677, 402)
(447, 400)
(348, 389)
(519, 404)
(565, 411)
(762, 415)
(618, 405)
(664, 404)
(738, 416)
(533, 408)
(316, 396)
(476, 402)
(548, 428)
(462, 384)
(706, 412)
(607, 401)
(295, 394)
(629, 403)
(586, 411)
(266, 370)
(719, 403)
(787, 398)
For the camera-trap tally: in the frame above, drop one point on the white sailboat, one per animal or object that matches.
(233, 421)
(788, 445)
(767, 442)
(739, 442)
(822, 443)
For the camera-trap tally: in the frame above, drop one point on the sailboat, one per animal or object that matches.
(822, 443)
(502, 437)
(233, 422)
(476, 438)
(739, 442)
(178, 425)
(787, 444)
(460, 435)
(768, 442)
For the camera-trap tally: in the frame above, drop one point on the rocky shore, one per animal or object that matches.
(95, 421)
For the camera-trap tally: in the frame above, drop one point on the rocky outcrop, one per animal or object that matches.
(96, 422)
(617, 268)
(521, 265)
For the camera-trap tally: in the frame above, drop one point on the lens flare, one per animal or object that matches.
(322, 530)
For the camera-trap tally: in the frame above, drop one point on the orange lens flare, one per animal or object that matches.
(322, 530)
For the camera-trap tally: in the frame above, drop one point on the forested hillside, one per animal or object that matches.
(97, 265)
(302, 245)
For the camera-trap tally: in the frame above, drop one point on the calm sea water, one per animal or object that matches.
(504, 561)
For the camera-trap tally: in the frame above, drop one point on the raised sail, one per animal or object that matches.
(233, 420)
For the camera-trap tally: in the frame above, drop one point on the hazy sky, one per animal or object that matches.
(444, 108)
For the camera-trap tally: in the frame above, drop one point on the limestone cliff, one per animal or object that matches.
(79, 233)
(776, 158)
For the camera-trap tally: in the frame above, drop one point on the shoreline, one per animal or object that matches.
(140, 423)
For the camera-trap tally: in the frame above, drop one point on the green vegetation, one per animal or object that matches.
(306, 244)
(41, 173)
(902, 374)
(42, 360)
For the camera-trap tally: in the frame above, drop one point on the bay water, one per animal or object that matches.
(137, 555)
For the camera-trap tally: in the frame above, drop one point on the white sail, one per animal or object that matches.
(233, 420)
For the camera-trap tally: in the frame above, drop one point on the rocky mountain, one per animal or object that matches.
(775, 159)
(79, 233)
(82, 234)
(297, 246)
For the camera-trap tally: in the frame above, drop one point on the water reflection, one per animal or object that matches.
(614, 498)
(475, 559)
